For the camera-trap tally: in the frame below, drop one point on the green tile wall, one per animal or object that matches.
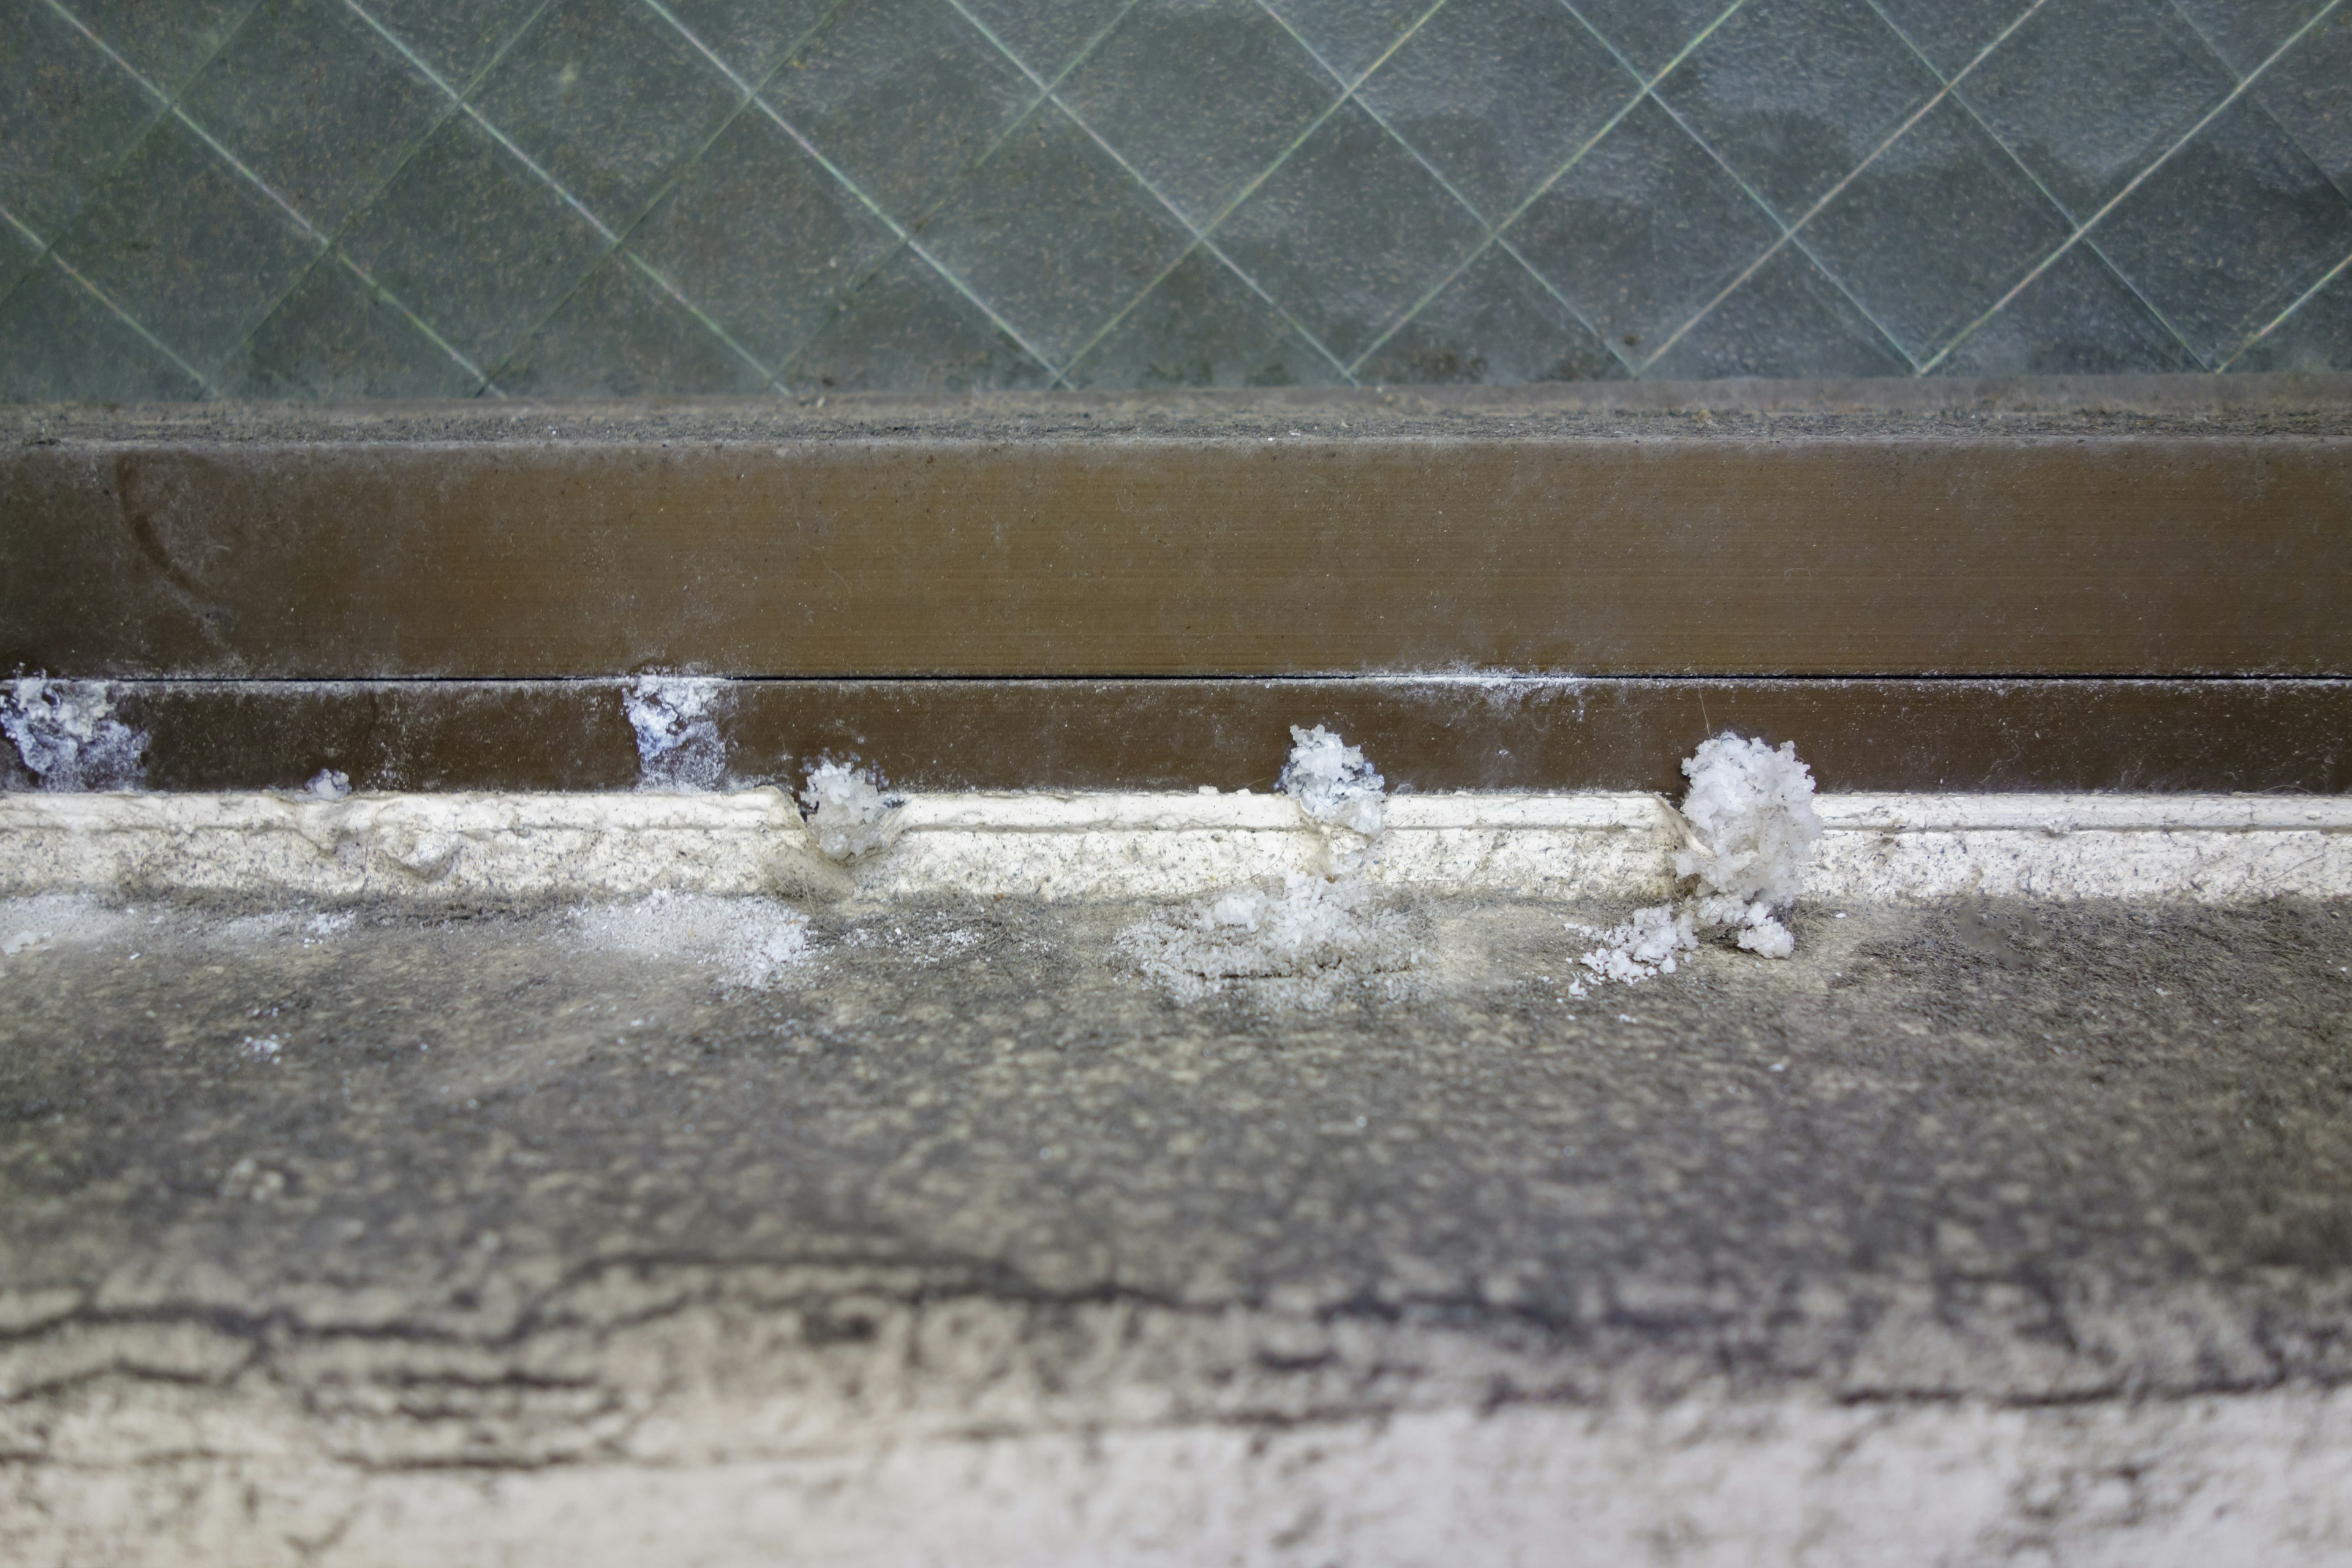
(356, 199)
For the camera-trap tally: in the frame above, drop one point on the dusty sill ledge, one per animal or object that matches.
(526, 847)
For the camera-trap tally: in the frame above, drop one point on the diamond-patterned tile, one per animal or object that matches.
(1497, 94)
(2245, 32)
(622, 335)
(315, 103)
(2317, 336)
(333, 339)
(762, 238)
(2307, 93)
(751, 35)
(2229, 231)
(164, 42)
(59, 343)
(1053, 233)
(472, 241)
(1045, 35)
(2077, 319)
(457, 38)
(1350, 36)
(903, 95)
(1651, 33)
(1642, 231)
(191, 251)
(1795, 93)
(2087, 93)
(1368, 222)
(1349, 232)
(1495, 324)
(906, 329)
(1951, 33)
(1203, 326)
(1200, 96)
(67, 114)
(1787, 320)
(1935, 230)
(608, 98)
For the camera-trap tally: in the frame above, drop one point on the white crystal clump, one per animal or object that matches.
(1750, 808)
(1333, 783)
(678, 743)
(1752, 829)
(68, 735)
(846, 810)
(1640, 946)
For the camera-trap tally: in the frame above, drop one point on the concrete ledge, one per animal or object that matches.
(527, 846)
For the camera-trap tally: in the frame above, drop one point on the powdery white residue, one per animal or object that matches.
(1752, 824)
(67, 732)
(1333, 782)
(1303, 946)
(846, 810)
(679, 744)
(752, 942)
(1642, 946)
(58, 920)
(332, 783)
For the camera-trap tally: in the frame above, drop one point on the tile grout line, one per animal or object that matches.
(1490, 232)
(49, 255)
(1646, 88)
(2023, 168)
(162, 104)
(899, 231)
(2330, 276)
(1049, 94)
(332, 249)
(463, 106)
(165, 104)
(40, 247)
(1200, 238)
(1945, 88)
(1487, 232)
(906, 233)
(2162, 158)
(1791, 231)
(2189, 21)
(457, 98)
(1206, 232)
(1645, 85)
(619, 245)
(325, 243)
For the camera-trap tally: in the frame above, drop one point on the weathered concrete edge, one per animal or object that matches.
(2244, 1478)
(492, 848)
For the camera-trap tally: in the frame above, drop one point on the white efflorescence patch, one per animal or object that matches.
(676, 725)
(1752, 829)
(752, 942)
(60, 919)
(847, 810)
(68, 735)
(1318, 937)
(330, 784)
(1303, 946)
(1333, 783)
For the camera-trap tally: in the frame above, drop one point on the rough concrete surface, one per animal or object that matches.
(1981, 1231)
